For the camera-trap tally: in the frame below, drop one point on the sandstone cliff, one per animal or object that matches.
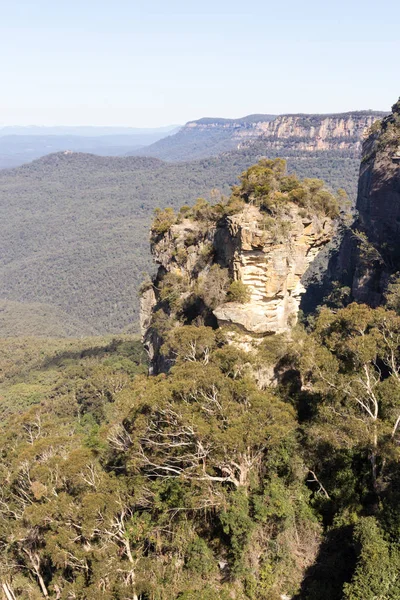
(312, 133)
(268, 135)
(271, 263)
(239, 266)
(370, 251)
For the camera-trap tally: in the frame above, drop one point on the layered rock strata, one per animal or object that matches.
(271, 263)
(315, 133)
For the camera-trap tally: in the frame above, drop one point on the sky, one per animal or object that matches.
(159, 62)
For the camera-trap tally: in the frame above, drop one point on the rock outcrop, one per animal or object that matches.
(271, 263)
(197, 260)
(370, 251)
(344, 131)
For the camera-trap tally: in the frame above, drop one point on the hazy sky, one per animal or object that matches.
(157, 62)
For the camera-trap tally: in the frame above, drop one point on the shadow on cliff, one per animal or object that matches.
(367, 253)
(330, 274)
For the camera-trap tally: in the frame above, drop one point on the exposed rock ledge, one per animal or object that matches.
(271, 268)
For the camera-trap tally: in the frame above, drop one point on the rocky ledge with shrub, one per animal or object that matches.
(237, 264)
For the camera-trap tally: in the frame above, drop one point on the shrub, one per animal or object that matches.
(180, 255)
(172, 287)
(238, 292)
(392, 295)
(376, 574)
(189, 343)
(213, 286)
(268, 186)
(192, 238)
(199, 558)
(163, 221)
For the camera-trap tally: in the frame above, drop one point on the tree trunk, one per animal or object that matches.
(35, 562)
(9, 594)
(42, 584)
(373, 459)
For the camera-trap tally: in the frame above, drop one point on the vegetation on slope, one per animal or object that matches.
(196, 281)
(22, 319)
(198, 484)
(19, 145)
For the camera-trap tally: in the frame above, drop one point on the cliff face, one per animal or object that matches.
(313, 133)
(238, 129)
(183, 254)
(267, 135)
(271, 263)
(370, 251)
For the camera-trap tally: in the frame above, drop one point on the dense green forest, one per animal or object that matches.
(198, 484)
(74, 230)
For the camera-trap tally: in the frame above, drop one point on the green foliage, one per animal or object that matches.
(238, 525)
(199, 558)
(376, 574)
(392, 295)
(190, 343)
(268, 186)
(163, 221)
(238, 292)
(338, 297)
(197, 484)
(172, 287)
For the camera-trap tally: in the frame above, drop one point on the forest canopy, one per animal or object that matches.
(199, 483)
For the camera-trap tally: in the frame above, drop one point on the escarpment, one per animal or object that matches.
(315, 133)
(238, 265)
(306, 132)
(339, 135)
(370, 251)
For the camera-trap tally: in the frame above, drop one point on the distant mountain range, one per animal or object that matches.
(83, 131)
(74, 227)
(19, 145)
(209, 137)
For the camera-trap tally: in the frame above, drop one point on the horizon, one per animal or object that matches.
(171, 126)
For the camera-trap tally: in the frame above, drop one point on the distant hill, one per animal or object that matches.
(74, 227)
(206, 137)
(19, 145)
